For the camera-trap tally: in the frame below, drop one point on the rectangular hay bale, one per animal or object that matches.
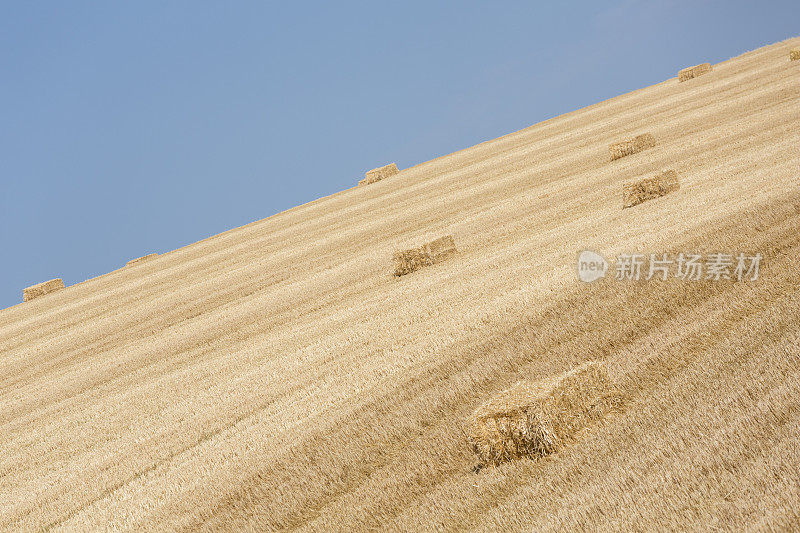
(535, 419)
(642, 190)
(632, 146)
(140, 259)
(693, 72)
(794, 55)
(40, 289)
(407, 261)
(440, 249)
(377, 174)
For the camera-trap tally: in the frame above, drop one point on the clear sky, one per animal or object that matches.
(135, 127)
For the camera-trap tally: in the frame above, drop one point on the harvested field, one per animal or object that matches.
(534, 419)
(41, 289)
(274, 377)
(380, 173)
(407, 261)
(632, 146)
(693, 72)
(141, 259)
(641, 190)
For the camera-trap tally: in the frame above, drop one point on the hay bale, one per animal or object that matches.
(535, 419)
(140, 259)
(440, 249)
(632, 146)
(35, 291)
(794, 55)
(638, 191)
(377, 174)
(693, 72)
(407, 261)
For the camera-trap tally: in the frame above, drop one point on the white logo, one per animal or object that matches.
(591, 266)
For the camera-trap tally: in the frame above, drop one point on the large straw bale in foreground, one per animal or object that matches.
(41, 289)
(407, 261)
(693, 72)
(536, 418)
(636, 192)
(632, 146)
(140, 259)
(377, 174)
(794, 55)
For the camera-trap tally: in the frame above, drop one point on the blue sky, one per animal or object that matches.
(135, 127)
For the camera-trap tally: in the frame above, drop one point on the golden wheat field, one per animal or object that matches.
(278, 376)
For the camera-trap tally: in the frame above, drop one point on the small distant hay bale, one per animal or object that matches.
(140, 259)
(407, 261)
(641, 190)
(35, 291)
(534, 419)
(693, 72)
(632, 146)
(440, 249)
(794, 55)
(377, 174)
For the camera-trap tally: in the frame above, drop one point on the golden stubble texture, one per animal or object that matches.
(277, 376)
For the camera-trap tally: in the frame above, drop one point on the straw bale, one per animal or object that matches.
(632, 146)
(140, 259)
(534, 419)
(379, 173)
(35, 291)
(407, 261)
(693, 72)
(641, 190)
